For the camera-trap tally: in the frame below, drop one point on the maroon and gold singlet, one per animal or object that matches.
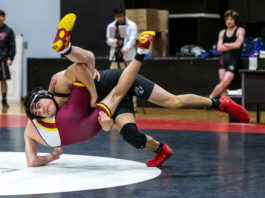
(74, 122)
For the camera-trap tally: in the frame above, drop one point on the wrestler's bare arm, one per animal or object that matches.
(239, 41)
(220, 43)
(223, 47)
(31, 149)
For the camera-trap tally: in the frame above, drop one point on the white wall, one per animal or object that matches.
(14, 85)
(37, 21)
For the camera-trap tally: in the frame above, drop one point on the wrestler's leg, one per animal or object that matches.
(163, 98)
(122, 119)
(62, 44)
(128, 76)
(125, 82)
(79, 55)
(221, 87)
(221, 73)
(125, 123)
(157, 95)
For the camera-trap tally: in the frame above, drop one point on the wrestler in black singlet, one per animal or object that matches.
(231, 57)
(109, 78)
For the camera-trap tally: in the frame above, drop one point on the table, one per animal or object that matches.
(253, 88)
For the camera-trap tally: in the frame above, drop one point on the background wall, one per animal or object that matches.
(37, 21)
(176, 75)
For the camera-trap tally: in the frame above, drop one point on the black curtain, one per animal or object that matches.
(252, 15)
(93, 17)
(250, 11)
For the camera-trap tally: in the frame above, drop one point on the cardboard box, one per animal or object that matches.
(145, 19)
(160, 45)
(163, 20)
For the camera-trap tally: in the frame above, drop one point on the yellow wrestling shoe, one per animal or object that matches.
(61, 42)
(145, 42)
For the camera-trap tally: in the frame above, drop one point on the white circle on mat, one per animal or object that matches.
(69, 173)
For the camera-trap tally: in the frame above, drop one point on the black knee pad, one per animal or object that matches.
(131, 135)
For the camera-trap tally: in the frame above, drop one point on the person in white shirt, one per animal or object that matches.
(121, 37)
(122, 49)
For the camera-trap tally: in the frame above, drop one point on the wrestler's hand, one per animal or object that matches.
(105, 121)
(96, 75)
(57, 152)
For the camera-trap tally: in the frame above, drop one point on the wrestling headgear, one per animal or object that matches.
(35, 96)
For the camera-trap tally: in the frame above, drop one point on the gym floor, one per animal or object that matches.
(211, 158)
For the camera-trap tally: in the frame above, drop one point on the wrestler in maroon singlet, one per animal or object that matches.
(76, 121)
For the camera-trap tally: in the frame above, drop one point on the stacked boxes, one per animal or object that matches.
(155, 20)
(145, 19)
(163, 20)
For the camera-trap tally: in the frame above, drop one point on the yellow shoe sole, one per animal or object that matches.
(67, 22)
(145, 34)
(57, 46)
(65, 25)
(149, 32)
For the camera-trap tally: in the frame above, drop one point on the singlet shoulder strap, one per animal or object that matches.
(235, 31)
(63, 95)
(225, 33)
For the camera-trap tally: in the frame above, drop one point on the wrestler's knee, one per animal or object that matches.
(131, 135)
(225, 83)
(90, 56)
(175, 102)
(180, 101)
(76, 65)
(79, 67)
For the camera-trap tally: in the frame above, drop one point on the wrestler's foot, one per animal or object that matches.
(229, 106)
(61, 42)
(160, 157)
(145, 41)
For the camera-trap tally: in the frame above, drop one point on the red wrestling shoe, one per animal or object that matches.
(145, 41)
(229, 106)
(62, 38)
(160, 157)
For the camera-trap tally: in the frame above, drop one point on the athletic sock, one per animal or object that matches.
(4, 101)
(139, 57)
(215, 103)
(4, 96)
(68, 50)
(159, 147)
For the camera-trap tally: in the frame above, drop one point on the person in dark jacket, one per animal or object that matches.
(7, 54)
